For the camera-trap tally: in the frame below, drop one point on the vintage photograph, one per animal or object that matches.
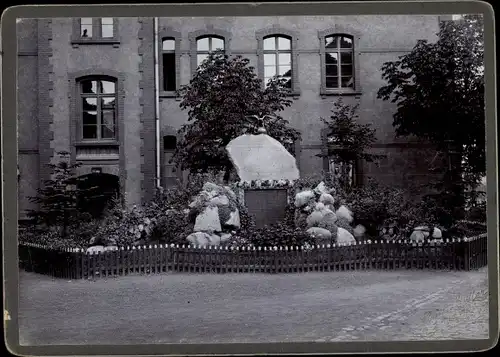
(265, 179)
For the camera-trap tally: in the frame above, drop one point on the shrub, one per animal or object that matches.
(278, 234)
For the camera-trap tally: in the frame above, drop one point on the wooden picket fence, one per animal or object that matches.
(451, 254)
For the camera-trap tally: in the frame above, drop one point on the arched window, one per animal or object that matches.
(98, 108)
(169, 65)
(277, 51)
(339, 62)
(207, 44)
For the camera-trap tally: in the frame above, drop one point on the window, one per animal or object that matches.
(205, 45)
(86, 27)
(277, 55)
(170, 175)
(341, 170)
(339, 54)
(94, 30)
(169, 65)
(278, 58)
(169, 143)
(98, 109)
(107, 27)
(339, 62)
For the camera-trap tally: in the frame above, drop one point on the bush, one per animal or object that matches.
(278, 234)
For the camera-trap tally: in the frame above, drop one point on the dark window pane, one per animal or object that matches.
(108, 87)
(108, 124)
(331, 70)
(108, 103)
(168, 45)
(90, 131)
(89, 104)
(346, 57)
(86, 27)
(347, 82)
(331, 42)
(345, 42)
(346, 70)
(332, 58)
(107, 132)
(284, 44)
(332, 82)
(269, 59)
(217, 44)
(169, 143)
(89, 117)
(89, 86)
(270, 44)
(169, 75)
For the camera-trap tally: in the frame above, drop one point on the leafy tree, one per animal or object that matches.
(220, 98)
(58, 198)
(439, 91)
(348, 140)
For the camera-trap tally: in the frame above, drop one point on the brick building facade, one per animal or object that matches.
(87, 86)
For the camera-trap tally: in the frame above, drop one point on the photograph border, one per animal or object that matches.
(9, 167)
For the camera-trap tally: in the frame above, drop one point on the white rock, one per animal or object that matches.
(111, 248)
(321, 188)
(225, 237)
(234, 219)
(302, 198)
(208, 221)
(436, 233)
(320, 233)
(359, 230)
(199, 238)
(417, 236)
(319, 206)
(95, 249)
(326, 199)
(214, 239)
(261, 157)
(344, 236)
(345, 213)
(314, 219)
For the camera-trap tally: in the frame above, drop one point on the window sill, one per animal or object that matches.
(293, 93)
(169, 94)
(332, 92)
(97, 143)
(95, 41)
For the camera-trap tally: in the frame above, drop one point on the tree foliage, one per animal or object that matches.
(221, 96)
(439, 91)
(60, 198)
(347, 140)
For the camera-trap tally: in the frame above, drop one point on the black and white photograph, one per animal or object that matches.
(251, 179)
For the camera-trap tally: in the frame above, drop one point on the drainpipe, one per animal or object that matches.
(157, 103)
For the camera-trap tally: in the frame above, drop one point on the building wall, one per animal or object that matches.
(50, 61)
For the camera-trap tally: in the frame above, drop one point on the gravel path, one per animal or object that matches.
(197, 308)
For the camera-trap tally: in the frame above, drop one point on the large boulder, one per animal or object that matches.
(359, 231)
(345, 237)
(321, 188)
(208, 220)
(326, 199)
(345, 213)
(199, 238)
(320, 235)
(234, 219)
(96, 249)
(261, 157)
(303, 198)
